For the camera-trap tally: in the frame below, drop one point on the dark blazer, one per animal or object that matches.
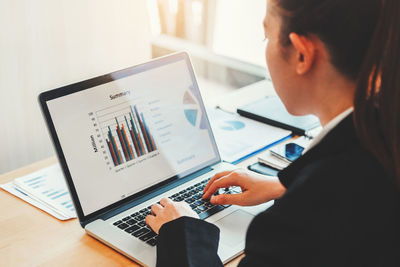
(340, 209)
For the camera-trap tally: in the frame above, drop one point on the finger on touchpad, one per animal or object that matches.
(234, 227)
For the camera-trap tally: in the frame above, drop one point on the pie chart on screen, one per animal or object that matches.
(192, 111)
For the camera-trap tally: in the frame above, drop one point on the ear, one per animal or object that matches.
(305, 52)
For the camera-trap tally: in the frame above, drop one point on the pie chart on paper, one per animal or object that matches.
(232, 125)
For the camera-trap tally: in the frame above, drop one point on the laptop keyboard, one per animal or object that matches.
(135, 224)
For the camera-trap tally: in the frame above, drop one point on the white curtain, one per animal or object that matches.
(45, 44)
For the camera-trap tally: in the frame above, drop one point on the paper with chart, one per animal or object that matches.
(238, 137)
(47, 186)
(12, 189)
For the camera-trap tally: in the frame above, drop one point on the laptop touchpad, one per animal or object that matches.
(234, 227)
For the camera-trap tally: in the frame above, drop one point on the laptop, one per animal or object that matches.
(129, 138)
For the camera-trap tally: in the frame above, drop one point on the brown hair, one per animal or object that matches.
(377, 99)
(363, 39)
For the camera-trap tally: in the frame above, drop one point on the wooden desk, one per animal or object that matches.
(31, 237)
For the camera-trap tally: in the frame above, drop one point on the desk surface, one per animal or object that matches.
(31, 237)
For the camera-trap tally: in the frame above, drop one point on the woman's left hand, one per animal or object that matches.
(168, 211)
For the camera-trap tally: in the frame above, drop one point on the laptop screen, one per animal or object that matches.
(123, 136)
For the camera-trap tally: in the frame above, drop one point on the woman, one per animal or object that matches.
(339, 204)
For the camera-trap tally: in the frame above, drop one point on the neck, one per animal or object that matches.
(335, 97)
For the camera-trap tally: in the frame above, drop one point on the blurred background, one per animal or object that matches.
(45, 44)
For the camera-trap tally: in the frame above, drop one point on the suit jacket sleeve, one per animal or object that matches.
(188, 242)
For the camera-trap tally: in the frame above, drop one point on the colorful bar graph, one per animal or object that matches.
(130, 139)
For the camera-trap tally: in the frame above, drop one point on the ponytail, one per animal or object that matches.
(377, 99)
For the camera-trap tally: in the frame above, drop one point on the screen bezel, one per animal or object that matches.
(87, 84)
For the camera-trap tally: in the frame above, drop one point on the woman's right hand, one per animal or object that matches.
(256, 188)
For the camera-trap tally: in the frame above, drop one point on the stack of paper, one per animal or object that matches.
(269, 159)
(45, 189)
(273, 157)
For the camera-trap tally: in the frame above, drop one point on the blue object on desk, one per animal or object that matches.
(263, 169)
(293, 151)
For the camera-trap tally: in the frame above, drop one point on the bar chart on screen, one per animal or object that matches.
(123, 133)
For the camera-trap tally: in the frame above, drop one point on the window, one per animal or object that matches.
(231, 28)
